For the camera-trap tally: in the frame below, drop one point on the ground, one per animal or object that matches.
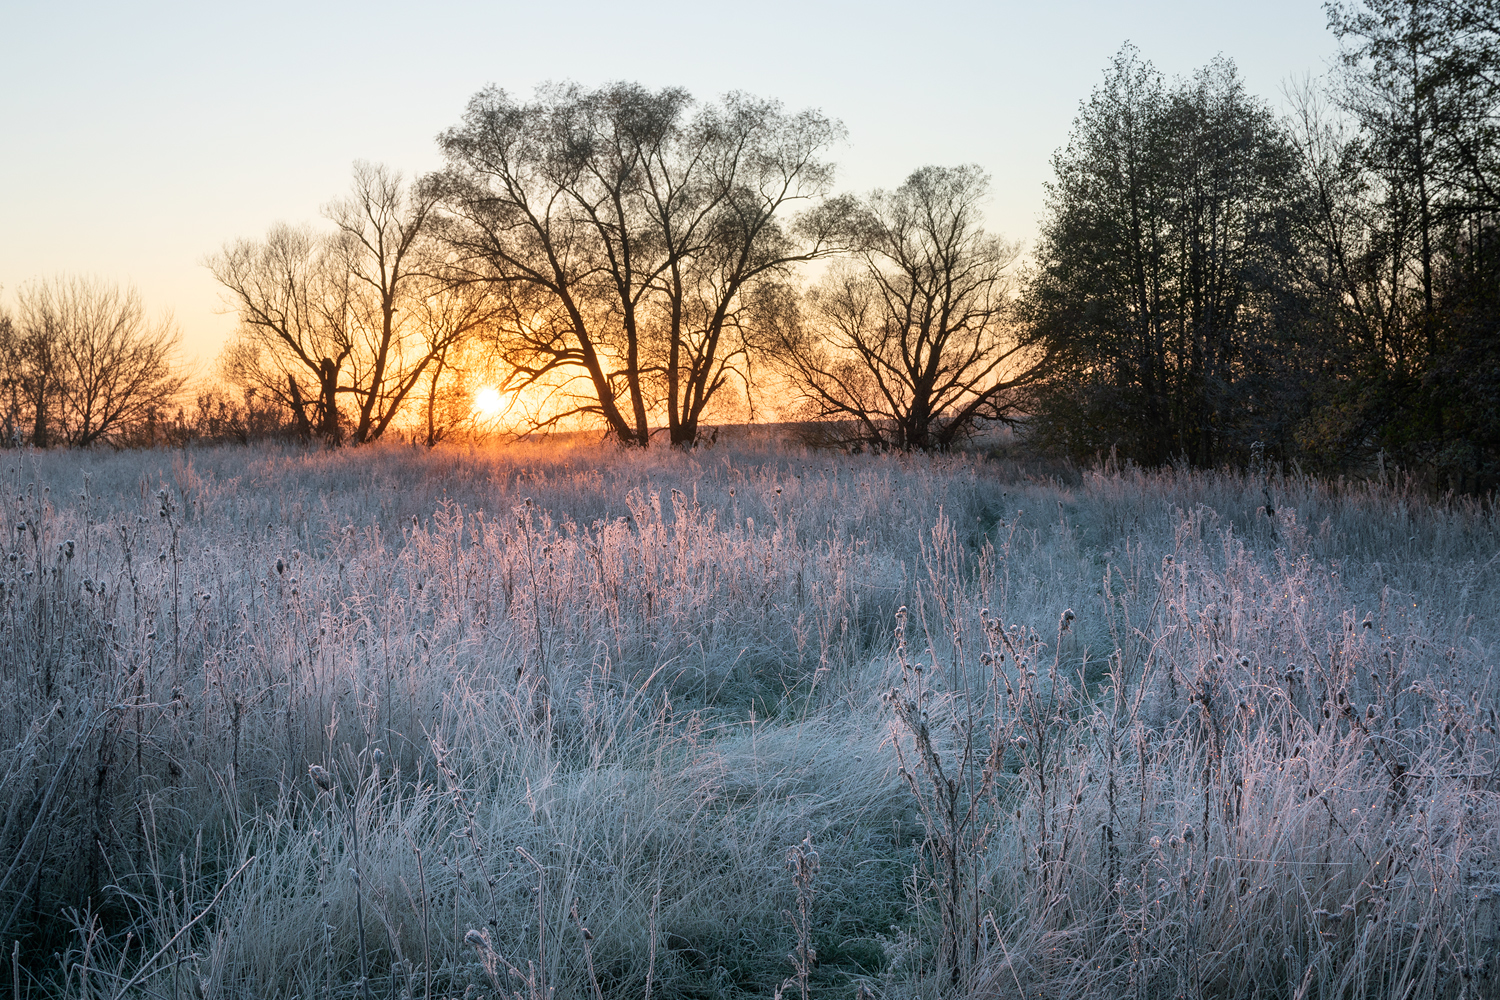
(757, 717)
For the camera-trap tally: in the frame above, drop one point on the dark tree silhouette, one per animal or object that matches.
(914, 343)
(324, 318)
(627, 236)
(1166, 277)
(82, 364)
(1421, 78)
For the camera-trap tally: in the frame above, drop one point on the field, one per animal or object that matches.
(590, 723)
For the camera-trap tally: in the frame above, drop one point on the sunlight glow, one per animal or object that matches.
(488, 403)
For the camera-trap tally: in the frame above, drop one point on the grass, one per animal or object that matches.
(401, 723)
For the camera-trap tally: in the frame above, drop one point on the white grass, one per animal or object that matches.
(654, 676)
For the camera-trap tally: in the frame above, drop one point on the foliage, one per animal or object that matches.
(1164, 274)
(1418, 269)
(1326, 286)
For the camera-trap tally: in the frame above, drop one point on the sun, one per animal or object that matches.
(488, 403)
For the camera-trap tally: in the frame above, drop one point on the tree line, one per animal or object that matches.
(1323, 286)
(1212, 280)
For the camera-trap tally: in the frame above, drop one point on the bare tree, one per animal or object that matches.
(324, 318)
(26, 380)
(626, 235)
(719, 197)
(32, 377)
(290, 308)
(10, 384)
(913, 344)
(381, 226)
(455, 315)
(83, 363)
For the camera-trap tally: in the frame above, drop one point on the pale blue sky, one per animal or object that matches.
(137, 137)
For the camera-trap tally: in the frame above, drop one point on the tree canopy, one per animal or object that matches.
(626, 231)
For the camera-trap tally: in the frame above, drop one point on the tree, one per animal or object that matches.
(915, 344)
(32, 377)
(451, 312)
(10, 385)
(82, 364)
(1394, 90)
(729, 245)
(1421, 78)
(288, 311)
(330, 317)
(626, 238)
(1165, 277)
(381, 226)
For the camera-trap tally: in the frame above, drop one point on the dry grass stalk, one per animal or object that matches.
(1260, 757)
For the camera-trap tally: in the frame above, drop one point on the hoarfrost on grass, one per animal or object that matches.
(1186, 732)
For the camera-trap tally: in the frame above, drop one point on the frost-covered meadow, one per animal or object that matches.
(594, 723)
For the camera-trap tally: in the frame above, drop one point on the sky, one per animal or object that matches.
(137, 138)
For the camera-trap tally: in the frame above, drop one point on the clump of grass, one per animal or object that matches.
(646, 687)
(1271, 771)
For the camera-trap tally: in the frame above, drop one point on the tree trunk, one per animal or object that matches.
(299, 410)
(39, 426)
(328, 377)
